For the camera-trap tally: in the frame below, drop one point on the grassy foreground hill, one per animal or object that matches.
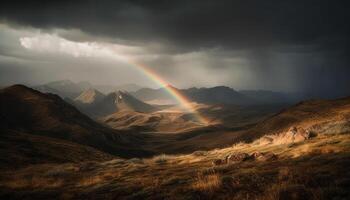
(316, 168)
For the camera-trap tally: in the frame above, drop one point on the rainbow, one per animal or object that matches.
(180, 98)
(89, 49)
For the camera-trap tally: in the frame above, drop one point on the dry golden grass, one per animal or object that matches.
(153, 183)
(161, 159)
(207, 183)
(290, 185)
(101, 177)
(35, 182)
(301, 169)
(166, 159)
(92, 180)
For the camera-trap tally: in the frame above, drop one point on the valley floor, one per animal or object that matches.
(312, 169)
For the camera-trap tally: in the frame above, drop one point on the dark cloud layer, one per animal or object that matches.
(304, 42)
(192, 24)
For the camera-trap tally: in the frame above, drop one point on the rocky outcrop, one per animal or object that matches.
(217, 162)
(236, 157)
(263, 156)
(293, 135)
(241, 157)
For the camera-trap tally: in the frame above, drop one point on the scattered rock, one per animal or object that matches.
(236, 157)
(268, 157)
(218, 162)
(256, 155)
(263, 156)
(295, 134)
(240, 157)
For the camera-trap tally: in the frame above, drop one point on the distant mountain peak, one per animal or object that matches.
(89, 96)
(17, 86)
(21, 90)
(125, 101)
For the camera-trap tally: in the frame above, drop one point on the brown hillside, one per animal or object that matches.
(331, 115)
(20, 149)
(27, 110)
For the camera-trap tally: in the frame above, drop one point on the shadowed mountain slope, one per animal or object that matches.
(217, 95)
(29, 111)
(268, 97)
(20, 149)
(214, 95)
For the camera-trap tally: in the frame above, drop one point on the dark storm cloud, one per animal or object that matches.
(290, 45)
(191, 24)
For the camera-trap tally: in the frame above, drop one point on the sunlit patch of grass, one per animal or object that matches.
(101, 177)
(207, 183)
(91, 180)
(321, 145)
(240, 145)
(200, 153)
(113, 162)
(162, 159)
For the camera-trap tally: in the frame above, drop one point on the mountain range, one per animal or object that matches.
(70, 89)
(27, 111)
(95, 104)
(217, 95)
(63, 88)
(213, 95)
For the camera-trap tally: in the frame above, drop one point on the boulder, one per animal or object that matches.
(263, 156)
(295, 134)
(268, 157)
(236, 157)
(256, 155)
(301, 135)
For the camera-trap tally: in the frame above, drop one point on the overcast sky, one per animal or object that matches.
(289, 45)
